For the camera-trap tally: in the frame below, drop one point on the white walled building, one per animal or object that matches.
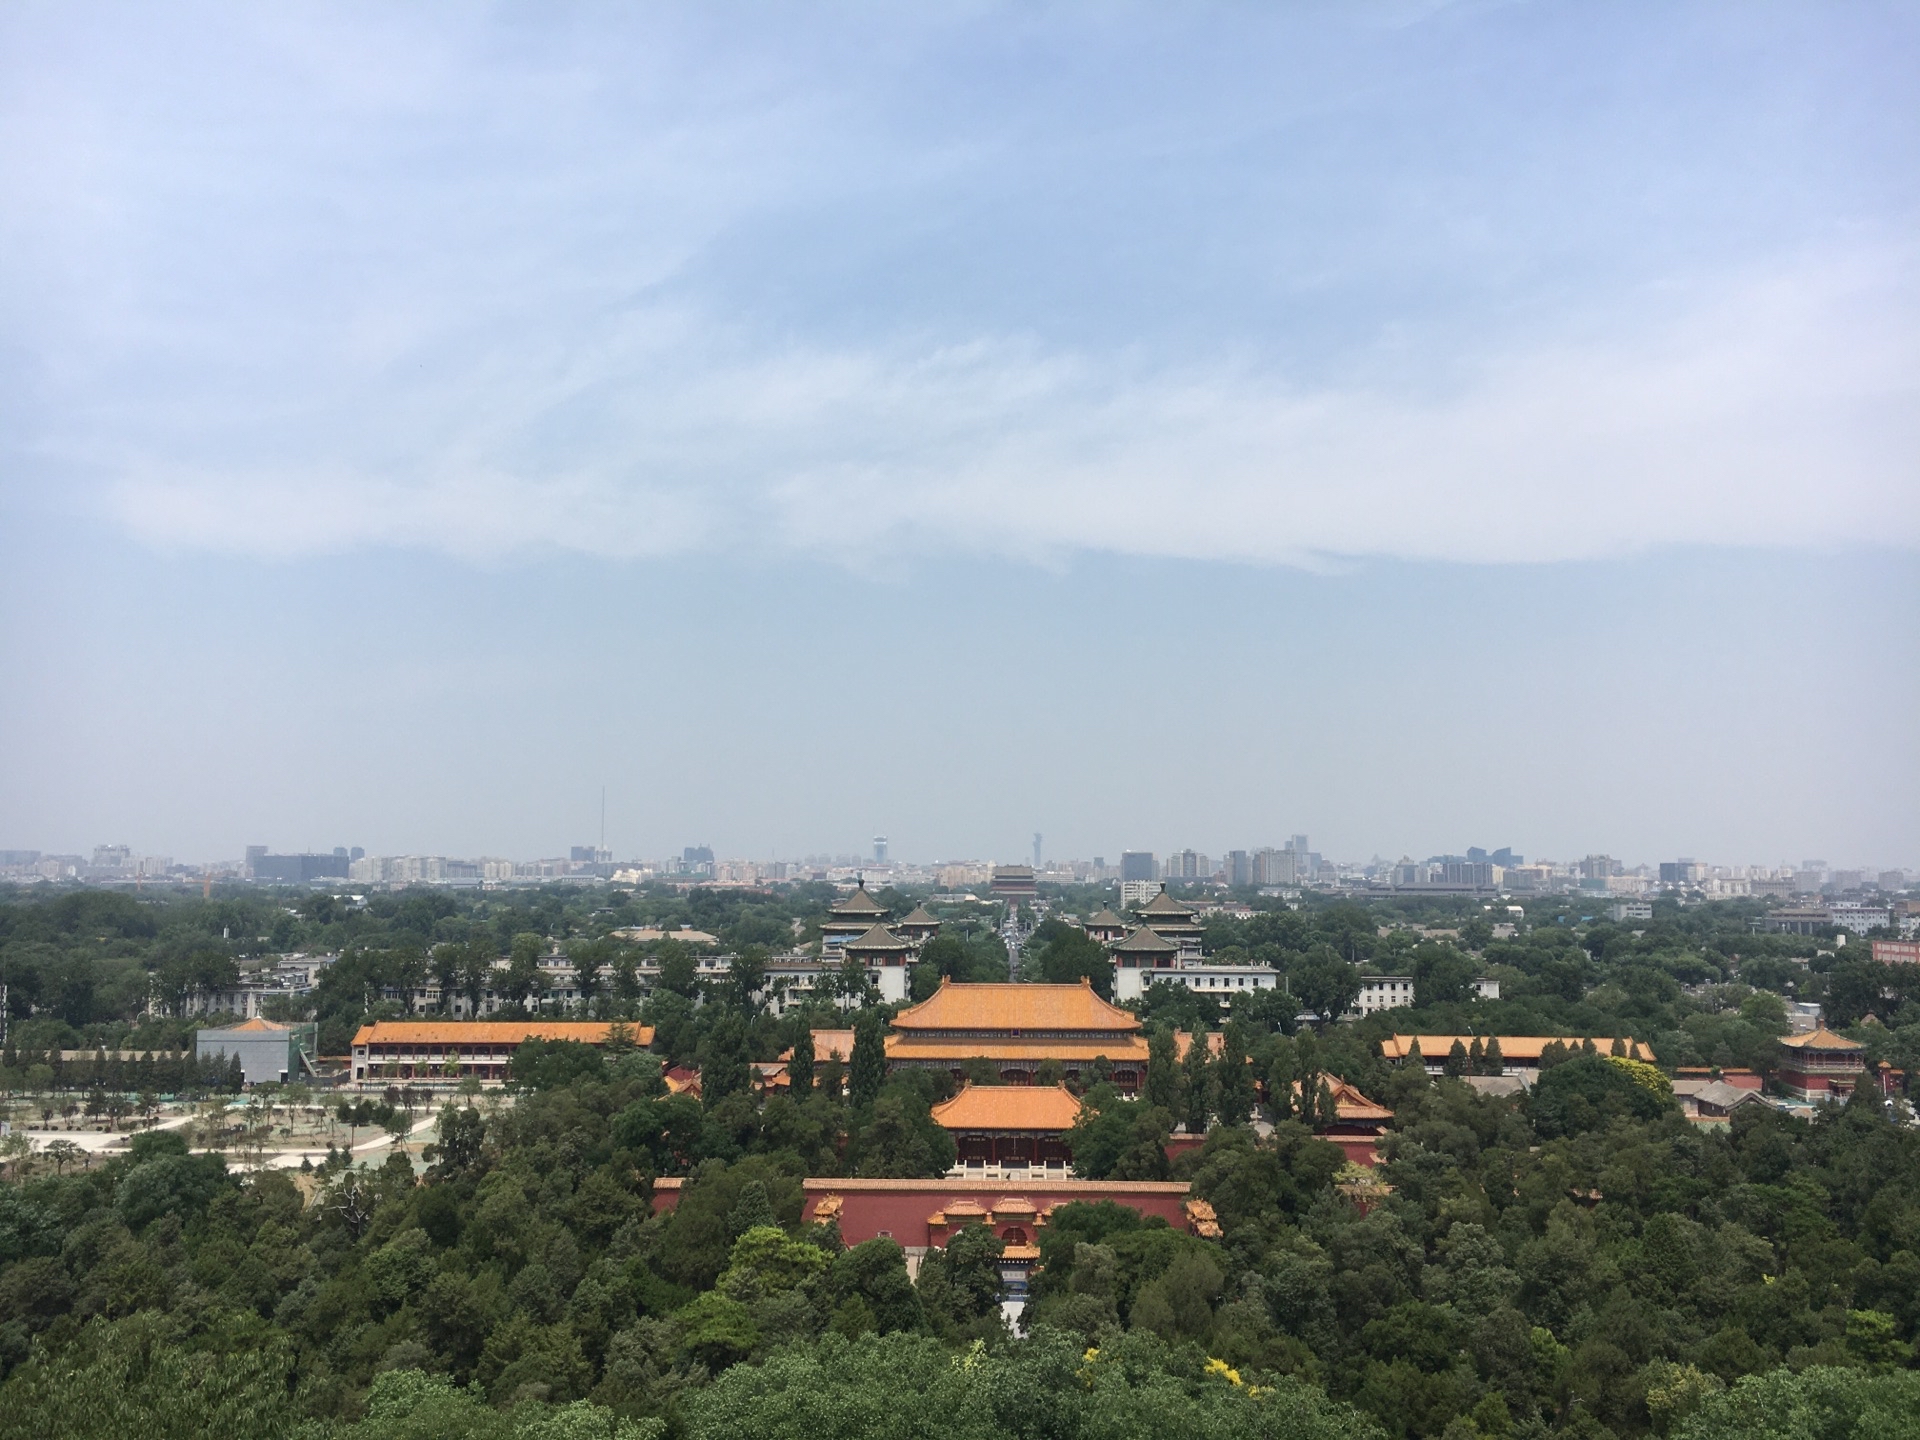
(1393, 992)
(1130, 981)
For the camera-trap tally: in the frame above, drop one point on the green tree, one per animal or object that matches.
(800, 1066)
(1162, 1083)
(724, 1066)
(960, 1285)
(1325, 984)
(1494, 1062)
(1196, 1090)
(867, 1070)
(874, 1274)
(1233, 1083)
(524, 983)
(1062, 954)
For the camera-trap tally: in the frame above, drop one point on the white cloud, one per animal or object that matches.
(306, 281)
(1778, 410)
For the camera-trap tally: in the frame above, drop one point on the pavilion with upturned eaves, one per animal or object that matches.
(1143, 950)
(1174, 922)
(1018, 1028)
(916, 926)
(879, 948)
(849, 918)
(1010, 1124)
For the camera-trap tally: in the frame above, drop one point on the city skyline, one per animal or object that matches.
(125, 861)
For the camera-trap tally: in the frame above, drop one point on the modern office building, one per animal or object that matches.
(297, 869)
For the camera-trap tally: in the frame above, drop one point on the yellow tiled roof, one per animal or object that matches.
(1348, 1102)
(1011, 1007)
(492, 1032)
(1052, 1108)
(1131, 1049)
(1512, 1047)
(1820, 1039)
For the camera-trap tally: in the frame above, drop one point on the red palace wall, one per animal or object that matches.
(1360, 1149)
(900, 1209)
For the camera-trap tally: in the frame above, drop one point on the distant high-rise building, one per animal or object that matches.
(1137, 865)
(1277, 867)
(1187, 865)
(879, 849)
(1682, 872)
(1036, 849)
(296, 869)
(1298, 844)
(1507, 859)
(1240, 867)
(697, 855)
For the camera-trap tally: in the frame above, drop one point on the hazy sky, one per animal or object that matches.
(1417, 425)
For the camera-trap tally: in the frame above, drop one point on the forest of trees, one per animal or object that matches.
(1584, 1261)
(1581, 1260)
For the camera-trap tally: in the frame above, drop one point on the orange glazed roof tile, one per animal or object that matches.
(1128, 1049)
(1820, 1039)
(1183, 1042)
(829, 1043)
(493, 1032)
(1052, 1108)
(257, 1025)
(1348, 1102)
(1009, 1007)
(1512, 1047)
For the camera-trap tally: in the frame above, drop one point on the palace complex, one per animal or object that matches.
(439, 1054)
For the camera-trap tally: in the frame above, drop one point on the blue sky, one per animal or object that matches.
(1418, 425)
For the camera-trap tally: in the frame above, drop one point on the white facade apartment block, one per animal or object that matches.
(1130, 981)
(1394, 992)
